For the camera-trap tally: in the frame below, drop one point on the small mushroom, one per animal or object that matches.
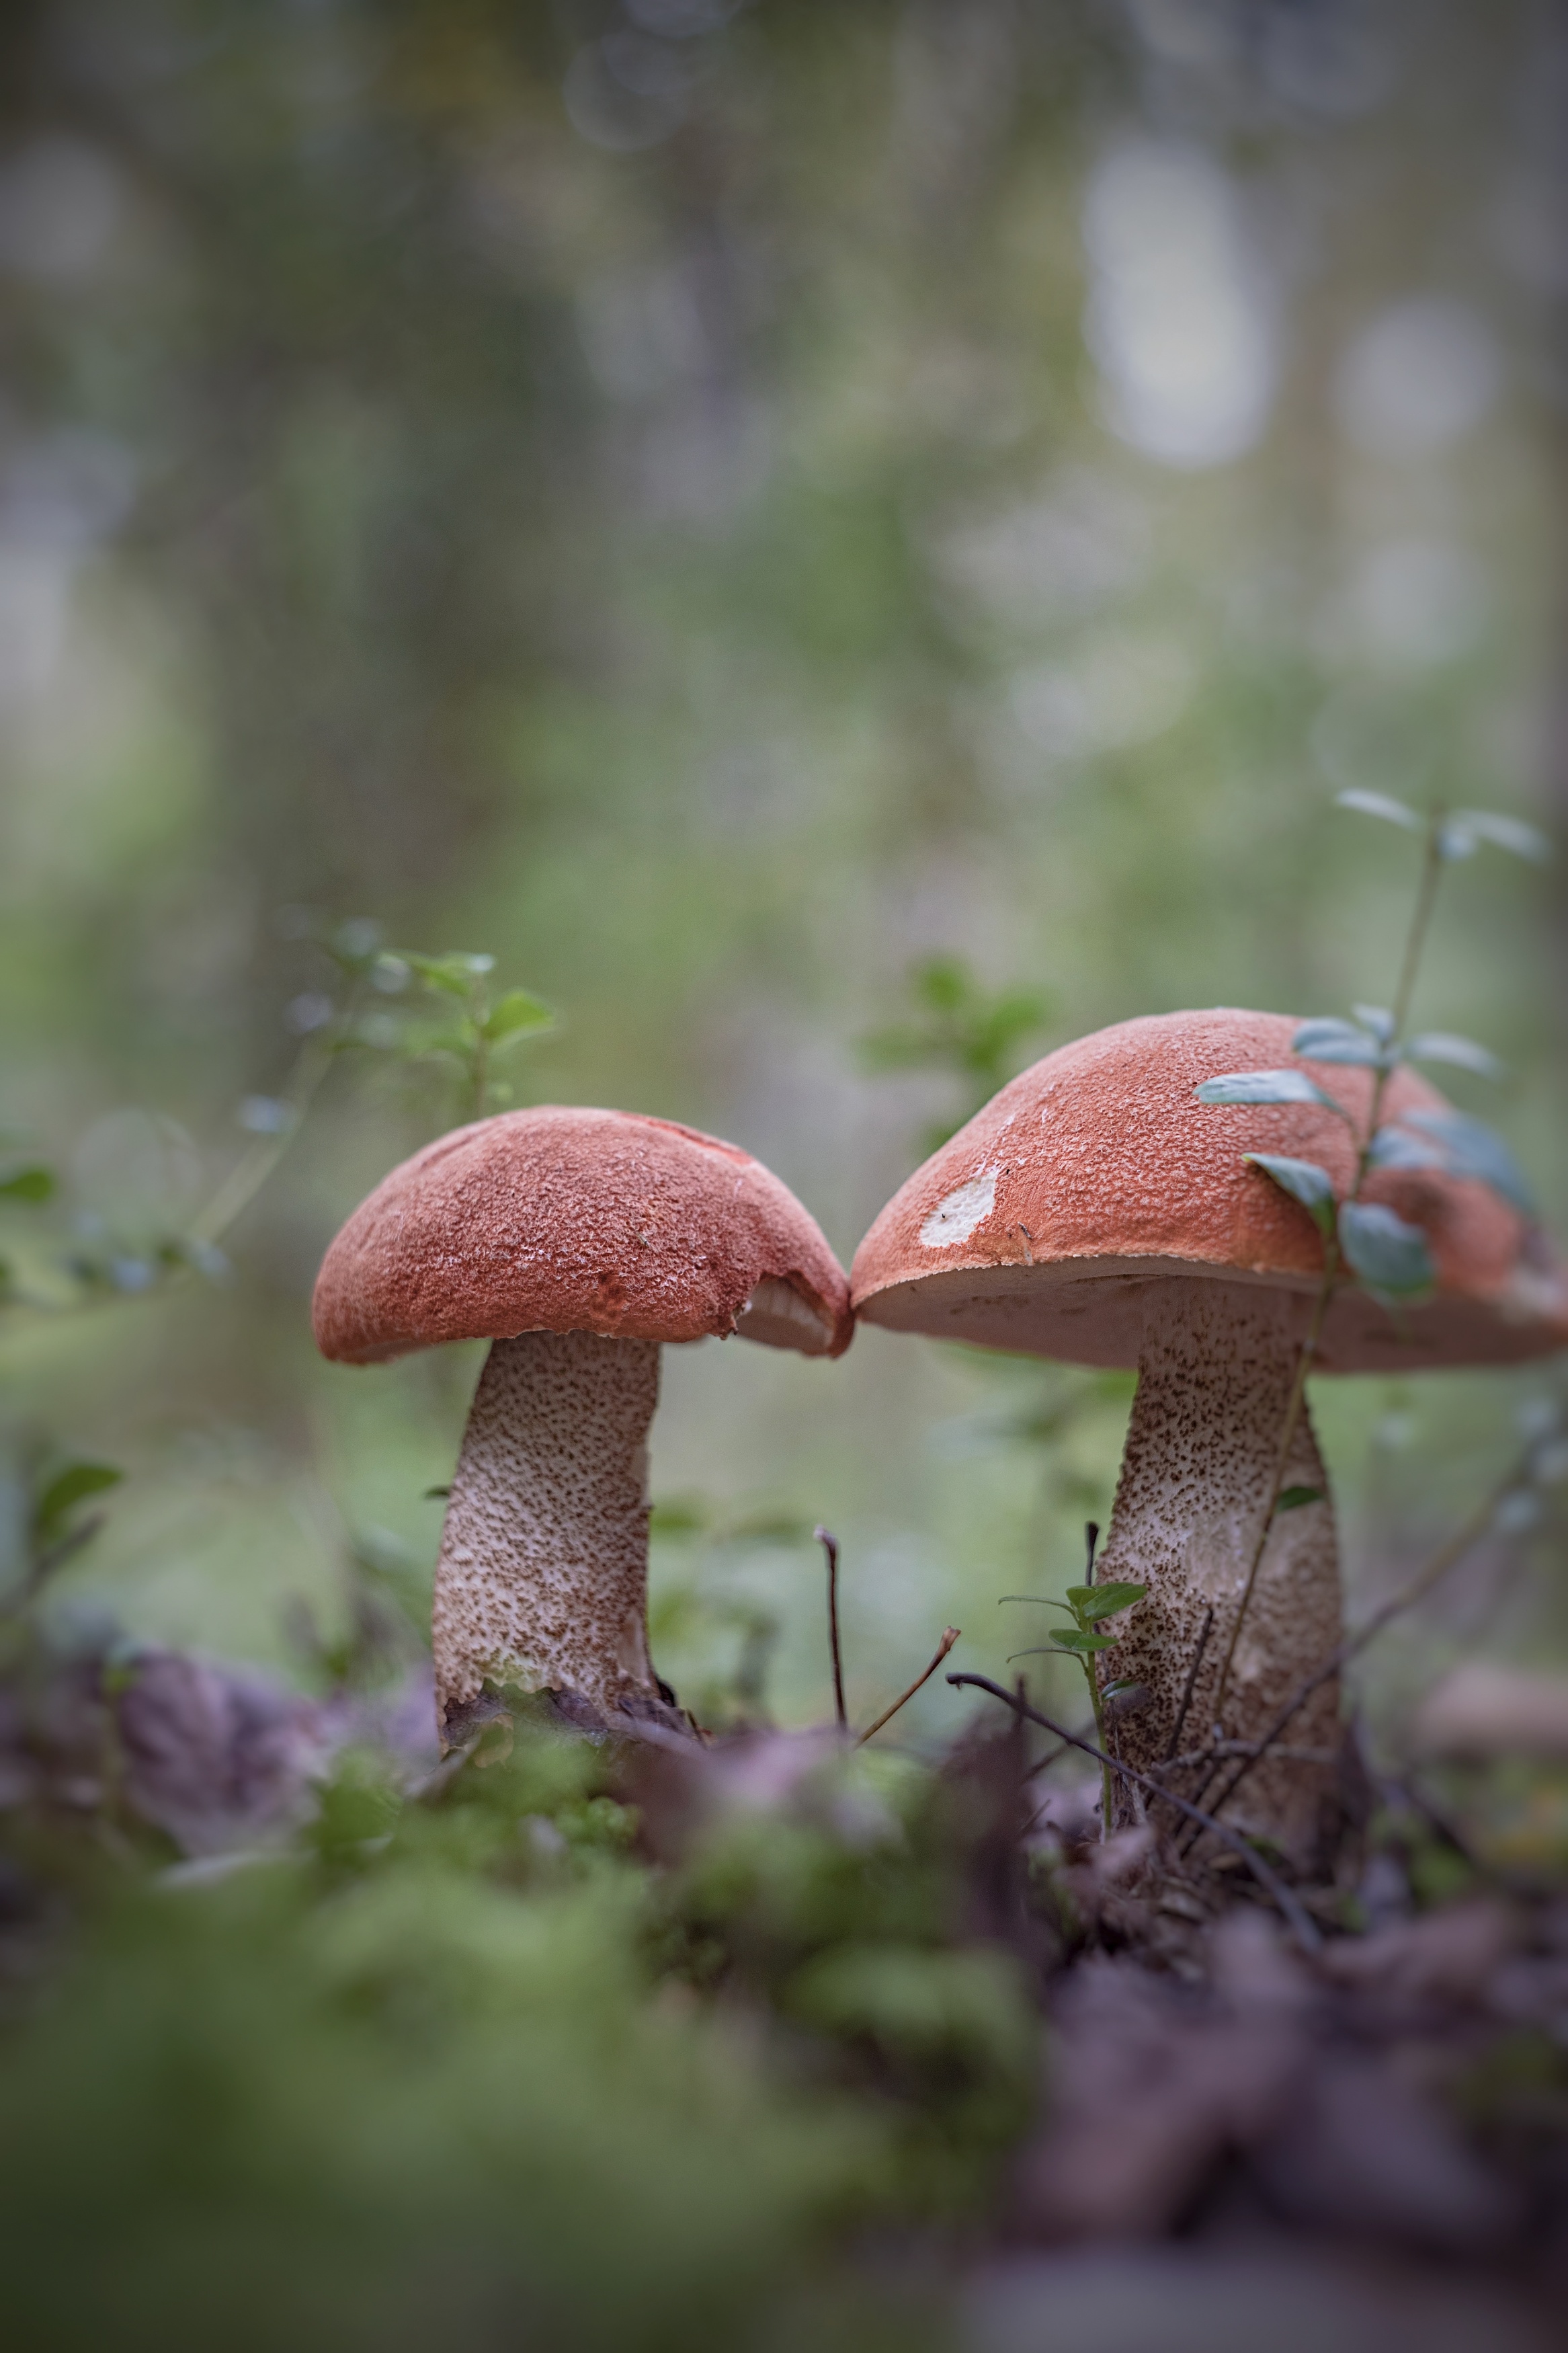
(578, 1242)
(1094, 1212)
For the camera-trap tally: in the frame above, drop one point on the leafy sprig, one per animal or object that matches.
(398, 1002)
(1389, 1255)
(1088, 1605)
(1386, 1253)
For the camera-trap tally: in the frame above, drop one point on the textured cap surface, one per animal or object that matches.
(570, 1221)
(1041, 1225)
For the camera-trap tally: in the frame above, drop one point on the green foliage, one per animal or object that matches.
(1267, 1087)
(844, 1914)
(1086, 1605)
(1389, 1254)
(1381, 805)
(962, 1029)
(170, 1231)
(461, 1022)
(455, 2057)
(63, 1491)
(1457, 833)
(1469, 1147)
(433, 2102)
(32, 1184)
(1304, 1180)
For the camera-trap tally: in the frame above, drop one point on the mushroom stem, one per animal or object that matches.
(543, 1579)
(1215, 1381)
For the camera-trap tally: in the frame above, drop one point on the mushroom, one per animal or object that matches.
(578, 1242)
(1095, 1212)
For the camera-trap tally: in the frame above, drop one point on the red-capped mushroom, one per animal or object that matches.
(1095, 1212)
(578, 1242)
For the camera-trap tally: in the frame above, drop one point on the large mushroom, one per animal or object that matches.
(578, 1242)
(1096, 1212)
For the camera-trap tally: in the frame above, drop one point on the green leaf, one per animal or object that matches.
(1076, 1640)
(455, 973)
(34, 1183)
(1333, 1041)
(1122, 1685)
(1471, 1148)
(1460, 1053)
(66, 1490)
(1103, 1601)
(1295, 1499)
(1377, 1018)
(1304, 1181)
(518, 1015)
(461, 1041)
(943, 983)
(1390, 1148)
(1392, 812)
(1268, 1087)
(1390, 1255)
(1508, 833)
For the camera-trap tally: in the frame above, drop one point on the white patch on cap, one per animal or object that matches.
(954, 1218)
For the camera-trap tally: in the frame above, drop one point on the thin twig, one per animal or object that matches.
(1225, 1749)
(829, 1544)
(943, 1647)
(256, 1165)
(1177, 1728)
(1446, 1558)
(1273, 1886)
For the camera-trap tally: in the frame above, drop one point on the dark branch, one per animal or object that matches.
(829, 1544)
(1179, 1723)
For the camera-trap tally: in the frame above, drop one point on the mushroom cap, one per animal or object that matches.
(1041, 1225)
(573, 1220)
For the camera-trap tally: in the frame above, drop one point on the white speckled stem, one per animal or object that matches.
(1214, 1384)
(543, 1579)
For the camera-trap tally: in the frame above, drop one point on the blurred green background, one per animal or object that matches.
(718, 507)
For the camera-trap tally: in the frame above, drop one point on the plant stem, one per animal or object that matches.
(829, 1544)
(481, 1077)
(943, 1647)
(253, 1168)
(1432, 865)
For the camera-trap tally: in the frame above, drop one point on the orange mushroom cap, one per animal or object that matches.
(1040, 1226)
(574, 1221)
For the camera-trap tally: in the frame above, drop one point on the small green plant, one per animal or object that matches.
(1365, 1240)
(1088, 1605)
(399, 1003)
(464, 1022)
(961, 1027)
(54, 1527)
